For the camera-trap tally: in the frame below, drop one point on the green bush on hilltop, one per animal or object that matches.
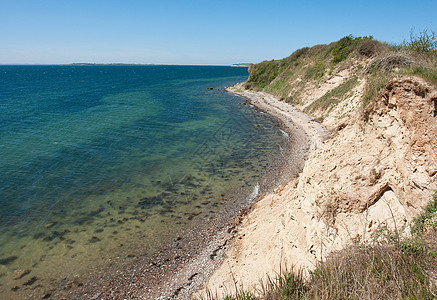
(342, 50)
(348, 44)
(264, 73)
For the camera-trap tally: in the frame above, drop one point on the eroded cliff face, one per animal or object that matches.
(377, 170)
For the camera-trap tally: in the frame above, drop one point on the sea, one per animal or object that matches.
(100, 163)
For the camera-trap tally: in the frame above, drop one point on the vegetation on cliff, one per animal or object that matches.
(352, 60)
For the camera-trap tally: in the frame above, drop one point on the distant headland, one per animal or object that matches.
(241, 65)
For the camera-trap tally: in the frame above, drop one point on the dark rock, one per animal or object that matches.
(31, 281)
(8, 260)
(94, 239)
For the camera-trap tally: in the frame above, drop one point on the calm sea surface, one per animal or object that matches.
(98, 162)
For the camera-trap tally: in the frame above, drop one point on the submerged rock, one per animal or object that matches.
(8, 260)
(31, 281)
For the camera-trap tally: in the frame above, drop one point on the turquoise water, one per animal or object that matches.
(97, 162)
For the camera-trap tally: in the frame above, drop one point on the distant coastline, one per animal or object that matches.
(107, 64)
(246, 65)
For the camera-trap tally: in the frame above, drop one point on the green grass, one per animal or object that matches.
(318, 71)
(287, 77)
(427, 72)
(374, 84)
(276, 87)
(333, 97)
(428, 213)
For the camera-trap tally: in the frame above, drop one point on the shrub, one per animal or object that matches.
(370, 48)
(297, 54)
(428, 212)
(342, 50)
(425, 42)
(319, 70)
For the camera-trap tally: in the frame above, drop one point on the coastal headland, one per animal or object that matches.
(374, 171)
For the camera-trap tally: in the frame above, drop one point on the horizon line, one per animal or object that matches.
(116, 64)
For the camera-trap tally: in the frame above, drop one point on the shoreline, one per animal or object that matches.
(182, 269)
(305, 135)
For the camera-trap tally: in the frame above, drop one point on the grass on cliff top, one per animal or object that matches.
(310, 63)
(417, 56)
(391, 268)
(309, 67)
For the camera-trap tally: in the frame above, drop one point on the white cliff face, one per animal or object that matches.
(378, 170)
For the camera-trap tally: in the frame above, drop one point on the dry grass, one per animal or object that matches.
(390, 61)
(390, 267)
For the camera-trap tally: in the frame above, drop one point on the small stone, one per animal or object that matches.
(31, 281)
(94, 239)
(18, 274)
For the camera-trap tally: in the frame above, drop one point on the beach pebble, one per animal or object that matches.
(18, 274)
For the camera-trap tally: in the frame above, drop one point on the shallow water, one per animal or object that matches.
(103, 163)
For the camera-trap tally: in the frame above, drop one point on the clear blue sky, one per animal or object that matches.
(194, 31)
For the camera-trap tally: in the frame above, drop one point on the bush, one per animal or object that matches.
(370, 48)
(342, 49)
(319, 70)
(263, 73)
(428, 213)
(297, 54)
(425, 42)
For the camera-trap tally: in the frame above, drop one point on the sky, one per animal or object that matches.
(202, 32)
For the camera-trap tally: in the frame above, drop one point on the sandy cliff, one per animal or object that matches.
(377, 169)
